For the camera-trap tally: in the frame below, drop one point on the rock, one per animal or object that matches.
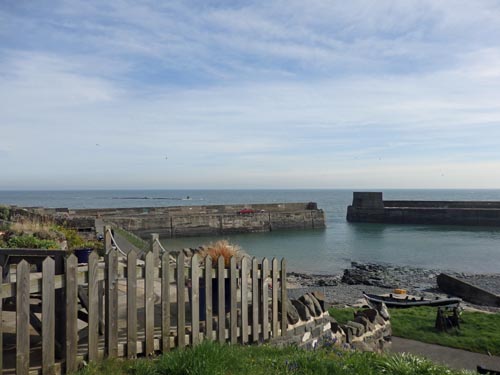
(302, 309)
(369, 326)
(362, 346)
(308, 302)
(291, 312)
(357, 328)
(370, 314)
(320, 297)
(317, 305)
(383, 311)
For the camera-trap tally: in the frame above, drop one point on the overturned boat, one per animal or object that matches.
(409, 301)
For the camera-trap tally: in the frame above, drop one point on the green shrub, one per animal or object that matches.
(73, 239)
(30, 242)
(4, 213)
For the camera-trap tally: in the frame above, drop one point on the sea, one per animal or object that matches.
(321, 251)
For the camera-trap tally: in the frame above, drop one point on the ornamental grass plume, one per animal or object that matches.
(222, 248)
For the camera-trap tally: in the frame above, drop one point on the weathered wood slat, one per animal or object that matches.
(208, 299)
(221, 303)
(165, 302)
(111, 304)
(1, 324)
(244, 300)
(234, 298)
(181, 302)
(108, 242)
(131, 305)
(93, 307)
(265, 298)
(71, 313)
(195, 300)
(149, 306)
(284, 320)
(255, 300)
(22, 318)
(275, 273)
(155, 248)
(48, 316)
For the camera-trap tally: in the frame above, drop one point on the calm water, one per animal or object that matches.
(322, 251)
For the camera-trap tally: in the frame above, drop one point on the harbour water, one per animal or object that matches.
(463, 249)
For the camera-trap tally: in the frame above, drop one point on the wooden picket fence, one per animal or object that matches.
(120, 306)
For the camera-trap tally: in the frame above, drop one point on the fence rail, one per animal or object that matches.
(123, 307)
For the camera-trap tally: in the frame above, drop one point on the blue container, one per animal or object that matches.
(215, 297)
(83, 254)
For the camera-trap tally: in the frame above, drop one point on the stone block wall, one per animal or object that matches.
(371, 208)
(310, 326)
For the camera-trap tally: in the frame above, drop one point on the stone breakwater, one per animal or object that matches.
(184, 221)
(370, 207)
(346, 288)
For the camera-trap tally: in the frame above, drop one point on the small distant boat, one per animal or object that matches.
(408, 301)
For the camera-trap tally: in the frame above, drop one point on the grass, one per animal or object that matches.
(132, 238)
(214, 359)
(478, 331)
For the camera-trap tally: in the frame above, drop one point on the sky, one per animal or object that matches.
(249, 94)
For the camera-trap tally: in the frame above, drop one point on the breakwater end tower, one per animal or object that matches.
(370, 207)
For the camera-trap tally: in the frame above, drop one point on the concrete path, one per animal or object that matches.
(454, 358)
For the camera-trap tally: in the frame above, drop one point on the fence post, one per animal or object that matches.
(1, 319)
(165, 302)
(221, 303)
(71, 313)
(108, 242)
(181, 302)
(149, 304)
(94, 318)
(265, 305)
(195, 300)
(132, 304)
(22, 318)
(244, 300)
(155, 248)
(48, 316)
(255, 300)
(284, 297)
(208, 299)
(234, 312)
(275, 272)
(111, 302)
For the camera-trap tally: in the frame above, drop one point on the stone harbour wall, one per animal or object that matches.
(369, 207)
(310, 326)
(184, 221)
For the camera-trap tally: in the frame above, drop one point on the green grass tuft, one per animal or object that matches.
(215, 359)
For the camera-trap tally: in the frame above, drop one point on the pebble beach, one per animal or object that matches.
(345, 289)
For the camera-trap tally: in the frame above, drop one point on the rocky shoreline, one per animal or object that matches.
(346, 289)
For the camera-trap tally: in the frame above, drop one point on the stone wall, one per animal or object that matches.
(185, 221)
(310, 326)
(371, 208)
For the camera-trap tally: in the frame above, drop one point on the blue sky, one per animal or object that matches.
(249, 94)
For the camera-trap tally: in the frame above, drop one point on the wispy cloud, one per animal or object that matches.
(289, 93)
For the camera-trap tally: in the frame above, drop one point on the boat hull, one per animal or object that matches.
(407, 303)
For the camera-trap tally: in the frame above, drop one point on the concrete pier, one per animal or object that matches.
(370, 207)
